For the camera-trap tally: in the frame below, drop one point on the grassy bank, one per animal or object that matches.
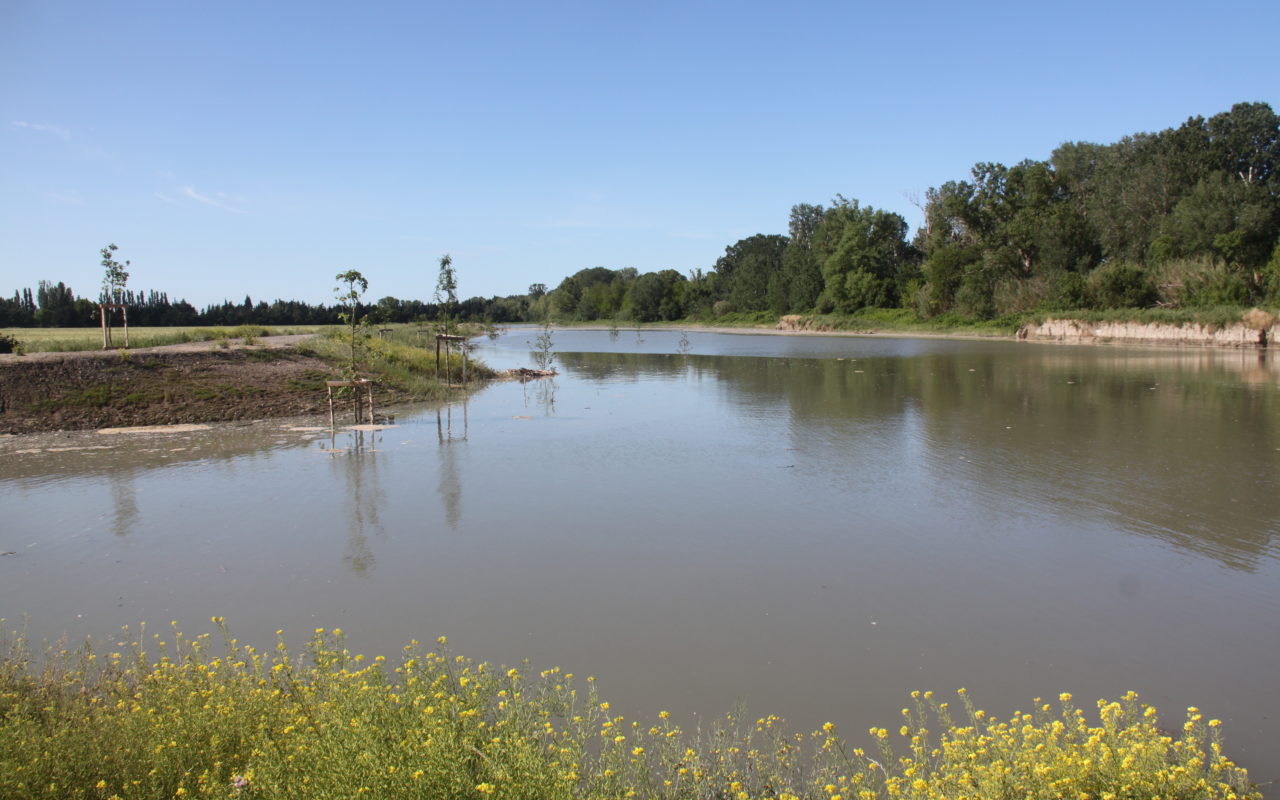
(65, 340)
(898, 320)
(171, 717)
(404, 360)
(240, 378)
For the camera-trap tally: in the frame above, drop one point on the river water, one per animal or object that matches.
(811, 526)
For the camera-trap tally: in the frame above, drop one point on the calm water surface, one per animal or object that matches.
(813, 526)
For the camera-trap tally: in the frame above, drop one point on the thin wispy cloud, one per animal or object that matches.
(217, 202)
(166, 198)
(41, 127)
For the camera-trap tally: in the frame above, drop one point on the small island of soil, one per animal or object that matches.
(188, 383)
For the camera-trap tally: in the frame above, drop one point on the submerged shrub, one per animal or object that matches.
(181, 717)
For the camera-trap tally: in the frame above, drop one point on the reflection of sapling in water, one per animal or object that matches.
(682, 346)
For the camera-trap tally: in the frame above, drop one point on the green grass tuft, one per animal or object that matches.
(397, 361)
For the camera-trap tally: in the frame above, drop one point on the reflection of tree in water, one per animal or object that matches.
(124, 501)
(683, 346)
(1057, 427)
(450, 482)
(364, 497)
(541, 393)
(450, 485)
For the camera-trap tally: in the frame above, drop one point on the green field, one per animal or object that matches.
(61, 340)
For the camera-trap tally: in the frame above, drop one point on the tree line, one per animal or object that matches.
(1186, 217)
(55, 305)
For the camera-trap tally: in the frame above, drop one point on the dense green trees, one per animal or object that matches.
(799, 285)
(748, 270)
(594, 293)
(1187, 216)
(862, 255)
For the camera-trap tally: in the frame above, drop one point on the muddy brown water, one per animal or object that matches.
(810, 526)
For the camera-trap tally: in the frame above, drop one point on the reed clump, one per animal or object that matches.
(167, 716)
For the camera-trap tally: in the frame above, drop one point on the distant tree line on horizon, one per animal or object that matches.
(1186, 217)
(57, 306)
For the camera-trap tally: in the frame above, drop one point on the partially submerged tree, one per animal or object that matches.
(544, 354)
(351, 287)
(114, 278)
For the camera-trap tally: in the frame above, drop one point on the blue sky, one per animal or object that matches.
(236, 148)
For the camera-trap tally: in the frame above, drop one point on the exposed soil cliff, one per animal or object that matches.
(1250, 333)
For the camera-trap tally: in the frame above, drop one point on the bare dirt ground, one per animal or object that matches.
(187, 383)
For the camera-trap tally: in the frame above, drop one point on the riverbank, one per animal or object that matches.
(1253, 329)
(78, 391)
(1253, 332)
(195, 382)
(260, 378)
